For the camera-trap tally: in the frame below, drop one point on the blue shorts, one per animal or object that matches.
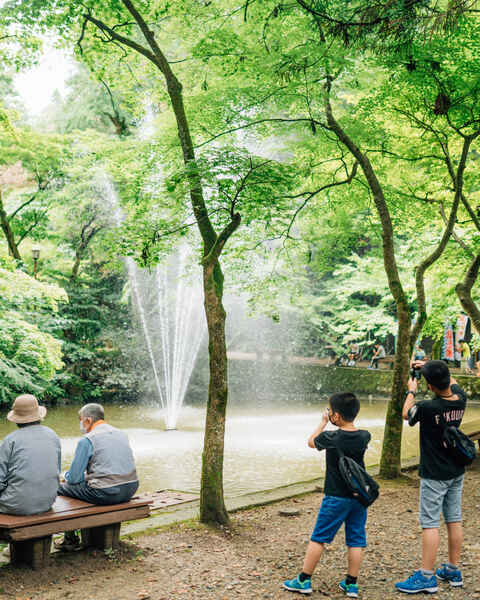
(335, 511)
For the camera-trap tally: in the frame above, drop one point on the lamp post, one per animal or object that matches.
(36, 256)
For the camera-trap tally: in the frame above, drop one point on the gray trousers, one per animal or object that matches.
(104, 496)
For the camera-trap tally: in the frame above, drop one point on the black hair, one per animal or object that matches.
(28, 424)
(436, 373)
(346, 405)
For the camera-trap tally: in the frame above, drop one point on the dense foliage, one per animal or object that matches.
(29, 356)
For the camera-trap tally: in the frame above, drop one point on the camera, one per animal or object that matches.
(415, 372)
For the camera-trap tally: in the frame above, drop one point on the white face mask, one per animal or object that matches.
(82, 428)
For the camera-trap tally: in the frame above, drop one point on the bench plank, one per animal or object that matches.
(67, 508)
(30, 536)
(81, 521)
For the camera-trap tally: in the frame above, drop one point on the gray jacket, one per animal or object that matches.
(112, 461)
(30, 462)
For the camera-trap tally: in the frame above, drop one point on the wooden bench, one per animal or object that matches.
(30, 537)
(387, 362)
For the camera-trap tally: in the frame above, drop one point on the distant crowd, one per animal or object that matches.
(466, 359)
(353, 354)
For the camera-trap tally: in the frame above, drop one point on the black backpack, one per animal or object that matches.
(460, 447)
(360, 484)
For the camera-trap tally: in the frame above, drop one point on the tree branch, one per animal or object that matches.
(435, 255)
(121, 38)
(471, 212)
(455, 236)
(464, 292)
(311, 195)
(32, 226)
(216, 249)
(259, 122)
(22, 206)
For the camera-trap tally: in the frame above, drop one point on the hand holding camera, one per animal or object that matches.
(325, 417)
(415, 375)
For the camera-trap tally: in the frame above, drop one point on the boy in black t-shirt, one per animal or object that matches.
(338, 505)
(441, 479)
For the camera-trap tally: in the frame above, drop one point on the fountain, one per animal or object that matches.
(170, 309)
(173, 321)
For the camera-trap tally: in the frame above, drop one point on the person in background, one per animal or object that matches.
(353, 354)
(457, 354)
(103, 469)
(418, 353)
(473, 363)
(30, 461)
(466, 354)
(378, 354)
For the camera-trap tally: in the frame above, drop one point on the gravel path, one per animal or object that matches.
(251, 559)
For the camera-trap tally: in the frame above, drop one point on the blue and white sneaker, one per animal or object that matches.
(453, 576)
(350, 589)
(418, 583)
(295, 585)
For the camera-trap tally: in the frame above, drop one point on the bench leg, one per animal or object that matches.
(35, 553)
(107, 536)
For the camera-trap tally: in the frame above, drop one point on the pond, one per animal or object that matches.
(265, 446)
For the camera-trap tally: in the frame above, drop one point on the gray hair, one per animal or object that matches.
(93, 411)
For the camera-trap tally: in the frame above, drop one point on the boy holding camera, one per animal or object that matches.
(338, 506)
(441, 478)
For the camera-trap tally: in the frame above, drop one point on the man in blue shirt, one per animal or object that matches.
(103, 468)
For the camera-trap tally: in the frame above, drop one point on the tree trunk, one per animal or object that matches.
(212, 505)
(392, 440)
(7, 230)
(464, 292)
(76, 267)
(390, 461)
(89, 231)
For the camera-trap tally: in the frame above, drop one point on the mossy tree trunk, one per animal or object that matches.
(88, 232)
(212, 506)
(7, 231)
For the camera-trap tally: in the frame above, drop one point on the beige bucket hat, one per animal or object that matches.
(25, 409)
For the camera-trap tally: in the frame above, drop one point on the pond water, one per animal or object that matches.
(265, 446)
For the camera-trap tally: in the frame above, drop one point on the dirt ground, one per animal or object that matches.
(252, 558)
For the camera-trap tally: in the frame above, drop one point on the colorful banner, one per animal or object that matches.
(461, 327)
(448, 343)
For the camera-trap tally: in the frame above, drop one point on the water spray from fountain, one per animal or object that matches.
(170, 310)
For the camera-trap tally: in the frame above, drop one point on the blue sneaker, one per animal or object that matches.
(350, 589)
(295, 585)
(418, 583)
(453, 576)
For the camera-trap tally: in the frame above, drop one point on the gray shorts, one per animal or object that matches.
(437, 497)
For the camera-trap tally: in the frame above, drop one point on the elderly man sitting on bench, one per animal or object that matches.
(103, 469)
(30, 461)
